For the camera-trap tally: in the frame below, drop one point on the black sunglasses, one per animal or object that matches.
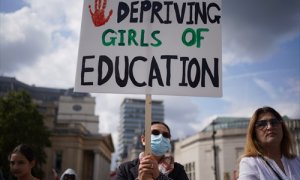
(263, 123)
(157, 132)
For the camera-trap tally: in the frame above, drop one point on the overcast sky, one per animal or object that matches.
(39, 42)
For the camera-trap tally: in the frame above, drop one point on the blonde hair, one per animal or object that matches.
(252, 147)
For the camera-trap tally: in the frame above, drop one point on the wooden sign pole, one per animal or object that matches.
(148, 120)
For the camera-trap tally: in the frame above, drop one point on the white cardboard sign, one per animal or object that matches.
(150, 47)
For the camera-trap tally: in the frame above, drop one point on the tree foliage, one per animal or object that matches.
(21, 122)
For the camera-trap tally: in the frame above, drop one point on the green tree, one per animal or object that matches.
(21, 122)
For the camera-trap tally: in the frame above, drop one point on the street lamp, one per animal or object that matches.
(214, 149)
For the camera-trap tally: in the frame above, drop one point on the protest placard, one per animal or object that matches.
(150, 47)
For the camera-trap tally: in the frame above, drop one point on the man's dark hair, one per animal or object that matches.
(158, 122)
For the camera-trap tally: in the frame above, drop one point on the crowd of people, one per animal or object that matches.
(268, 154)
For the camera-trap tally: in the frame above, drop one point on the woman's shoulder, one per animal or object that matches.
(295, 159)
(249, 159)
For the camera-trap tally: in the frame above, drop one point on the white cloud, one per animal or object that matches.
(32, 34)
(23, 39)
(56, 69)
(267, 87)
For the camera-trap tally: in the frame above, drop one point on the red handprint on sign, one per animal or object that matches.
(98, 16)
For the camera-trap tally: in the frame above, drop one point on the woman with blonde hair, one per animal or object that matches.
(268, 152)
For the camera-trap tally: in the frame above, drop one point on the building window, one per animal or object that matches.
(190, 170)
(58, 161)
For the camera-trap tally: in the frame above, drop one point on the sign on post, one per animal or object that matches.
(150, 47)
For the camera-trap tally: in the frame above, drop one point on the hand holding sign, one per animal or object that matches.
(98, 16)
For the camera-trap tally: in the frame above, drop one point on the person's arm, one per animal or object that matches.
(248, 170)
(121, 173)
(55, 174)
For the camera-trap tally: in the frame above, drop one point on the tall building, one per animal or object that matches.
(70, 117)
(132, 122)
(216, 149)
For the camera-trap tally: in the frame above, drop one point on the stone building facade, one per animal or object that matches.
(75, 138)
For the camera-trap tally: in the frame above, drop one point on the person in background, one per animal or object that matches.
(157, 166)
(22, 160)
(55, 174)
(69, 174)
(268, 152)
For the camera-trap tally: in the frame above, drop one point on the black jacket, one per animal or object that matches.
(129, 171)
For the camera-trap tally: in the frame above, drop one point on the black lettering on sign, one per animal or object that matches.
(160, 12)
(122, 82)
(109, 64)
(86, 69)
(193, 71)
(193, 79)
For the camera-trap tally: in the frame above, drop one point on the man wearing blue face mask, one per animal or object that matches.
(157, 166)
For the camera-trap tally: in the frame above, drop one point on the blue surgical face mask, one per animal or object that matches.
(159, 144)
